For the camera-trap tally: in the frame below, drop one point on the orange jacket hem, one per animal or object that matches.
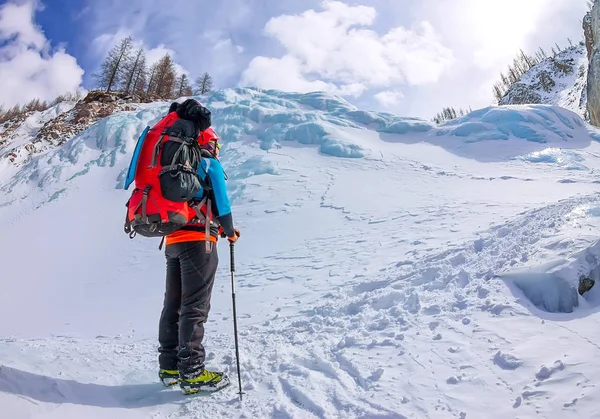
(183, 236)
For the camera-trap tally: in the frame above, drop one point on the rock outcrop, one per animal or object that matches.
(521, 94)
(84, 114)
(591, 30)
(557, 80)
(51, 128)
(588, 33)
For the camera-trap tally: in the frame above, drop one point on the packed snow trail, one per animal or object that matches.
(373, 286)
(416, 343)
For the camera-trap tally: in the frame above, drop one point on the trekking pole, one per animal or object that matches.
(237, 352)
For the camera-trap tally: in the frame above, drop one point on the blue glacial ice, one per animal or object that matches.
(547, 291)
(566, 159)
(270, 119)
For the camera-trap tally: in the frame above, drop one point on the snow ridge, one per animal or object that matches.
(272, 120)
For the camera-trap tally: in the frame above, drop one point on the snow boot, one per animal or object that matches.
(204, 381)
(168, 377)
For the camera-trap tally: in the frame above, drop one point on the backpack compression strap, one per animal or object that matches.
(159, 143)
(206, 201)
(205, 219)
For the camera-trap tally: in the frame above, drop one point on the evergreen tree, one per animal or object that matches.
(131, 70)
(498, 92)
(35, 105)
(141, 76)
(448, 114)
(113, 67)
(151, 88)
(183, 86)
(165, 77)
(204, 84)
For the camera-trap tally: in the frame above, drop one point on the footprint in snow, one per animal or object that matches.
(453, 380)
(528, 394)
(545, 372)
(376, 375)
(432, 310)
(517, 402)
(506, 361)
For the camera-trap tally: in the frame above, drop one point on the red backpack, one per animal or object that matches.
(164, 168)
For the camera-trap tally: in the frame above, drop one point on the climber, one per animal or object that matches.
(192, 260)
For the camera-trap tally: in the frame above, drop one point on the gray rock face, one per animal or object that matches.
(588, 33)
(591, 29)
(521, 94)
(593, 89)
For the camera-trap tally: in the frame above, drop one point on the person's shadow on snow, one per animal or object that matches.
(57, 390)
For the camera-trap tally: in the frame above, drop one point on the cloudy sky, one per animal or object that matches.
(410, 57)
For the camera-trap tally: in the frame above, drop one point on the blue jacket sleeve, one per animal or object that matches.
(217, 178)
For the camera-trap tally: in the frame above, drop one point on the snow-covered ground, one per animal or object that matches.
(387, 268)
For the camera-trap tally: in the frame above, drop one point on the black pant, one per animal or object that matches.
(190, 278)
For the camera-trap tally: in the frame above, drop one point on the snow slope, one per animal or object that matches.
(559, 81)
(388, 268)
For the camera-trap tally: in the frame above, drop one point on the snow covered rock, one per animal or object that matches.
(35, 132)
(84, 114)
(556, 81)
(521, 94)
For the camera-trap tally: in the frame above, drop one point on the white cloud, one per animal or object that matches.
(388, 98)
(485, 36)
(28, 67)
(153, 55)
(105, 42)
(224, 54)
(102, 44)
(216, 39)
(286, 74)
(332, 50)
(436, 52)
(492, 31)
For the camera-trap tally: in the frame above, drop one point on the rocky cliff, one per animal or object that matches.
(591, 30)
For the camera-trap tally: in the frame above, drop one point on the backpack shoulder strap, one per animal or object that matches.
(206, 183)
